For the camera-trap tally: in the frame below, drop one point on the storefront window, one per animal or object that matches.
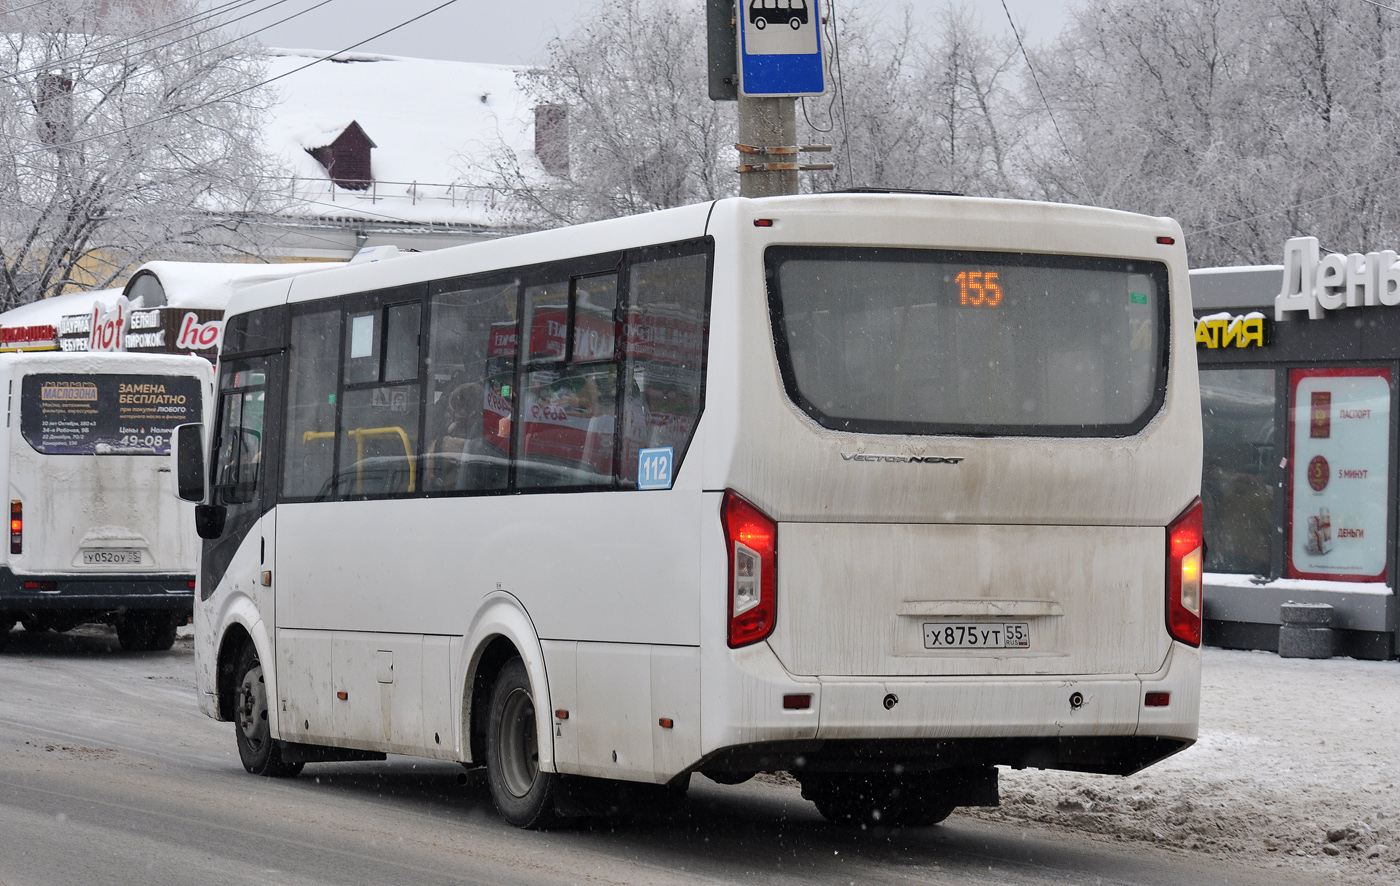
(1240, 468)
(1338, 470)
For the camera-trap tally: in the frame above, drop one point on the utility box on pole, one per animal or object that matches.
(722, 40)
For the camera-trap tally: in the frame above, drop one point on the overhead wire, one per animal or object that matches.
(1035, 79)
(238, 39)
(1381, 5)
(841, 88)
(135, 38)
(1282, 209)
(234, 93)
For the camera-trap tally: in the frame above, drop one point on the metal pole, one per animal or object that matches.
(768, 122)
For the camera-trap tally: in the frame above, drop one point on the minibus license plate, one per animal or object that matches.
(111, 558)
(976, 635)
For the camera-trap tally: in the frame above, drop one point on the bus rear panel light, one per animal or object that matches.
(16, 527)
(1158, 699)
(1186, 547)
(752, 541)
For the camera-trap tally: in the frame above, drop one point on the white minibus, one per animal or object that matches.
(882, 490)
(94, 532)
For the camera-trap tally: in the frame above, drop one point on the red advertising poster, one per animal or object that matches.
(1338, 470)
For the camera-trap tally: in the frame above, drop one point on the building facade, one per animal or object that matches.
(1299, 364)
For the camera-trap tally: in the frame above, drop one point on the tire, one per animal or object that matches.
(760, 23)
(794, 23)
(33, 624)
(145, 630)
(859, 799)
(260, 752)
(522, 793)
(6, 622)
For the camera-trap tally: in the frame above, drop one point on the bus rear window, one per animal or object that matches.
(918, 341)
(79, 414)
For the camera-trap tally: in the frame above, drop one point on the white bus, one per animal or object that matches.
(882, 490)
(94, 532)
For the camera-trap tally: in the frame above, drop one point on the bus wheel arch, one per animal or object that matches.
(497, 652)
(235, 638)
(501, 631)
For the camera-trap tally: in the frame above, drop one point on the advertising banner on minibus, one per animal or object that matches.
(68, 414)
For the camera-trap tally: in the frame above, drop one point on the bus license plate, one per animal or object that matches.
(111, 558)
(976, 635)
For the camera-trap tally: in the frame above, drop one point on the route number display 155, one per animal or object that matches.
(979, 289)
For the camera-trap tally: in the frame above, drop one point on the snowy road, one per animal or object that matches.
(109, 774)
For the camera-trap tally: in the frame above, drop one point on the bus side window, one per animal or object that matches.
(382, 400)
(309, 445)
(471, 374)
(664, 337)
(239, 447)
(569, 397)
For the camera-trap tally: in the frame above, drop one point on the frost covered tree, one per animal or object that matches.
(643, 133)
(1248, 121)
(927, 111)
(127, 129)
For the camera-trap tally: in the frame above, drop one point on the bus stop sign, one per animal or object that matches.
(780, 48)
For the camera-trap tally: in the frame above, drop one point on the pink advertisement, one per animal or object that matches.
(1338, 460)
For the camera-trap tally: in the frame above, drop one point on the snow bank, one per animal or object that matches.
(1297, 768)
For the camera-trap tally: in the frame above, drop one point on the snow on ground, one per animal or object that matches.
(1297, 767)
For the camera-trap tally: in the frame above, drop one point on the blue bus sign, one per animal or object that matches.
(780, 48)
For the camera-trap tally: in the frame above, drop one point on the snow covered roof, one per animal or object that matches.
(1246, 286)
(193, 284)
(187, 284)
(430, 120)
(48, 311)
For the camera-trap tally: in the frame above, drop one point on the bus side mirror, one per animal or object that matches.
(209, 520)
(187, 451)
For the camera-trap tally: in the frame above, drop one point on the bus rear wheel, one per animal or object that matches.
(523, 794)
(147, 630)
(260, 752)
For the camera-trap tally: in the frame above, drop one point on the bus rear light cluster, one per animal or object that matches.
(1186, 548)
(752, 540)
(16, 527)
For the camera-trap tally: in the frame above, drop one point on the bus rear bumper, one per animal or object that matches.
(1083, 723)
(1022, 707)
(96, 593)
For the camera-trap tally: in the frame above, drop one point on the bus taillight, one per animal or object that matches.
(16, 527)
(1186, 547)
(753, 563)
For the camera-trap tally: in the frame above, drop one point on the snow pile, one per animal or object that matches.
(1297, 767)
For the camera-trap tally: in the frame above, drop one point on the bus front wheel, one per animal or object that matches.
(760, 23)
(523, 794)
(260, 752)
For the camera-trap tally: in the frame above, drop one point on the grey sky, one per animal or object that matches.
(496, 31)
